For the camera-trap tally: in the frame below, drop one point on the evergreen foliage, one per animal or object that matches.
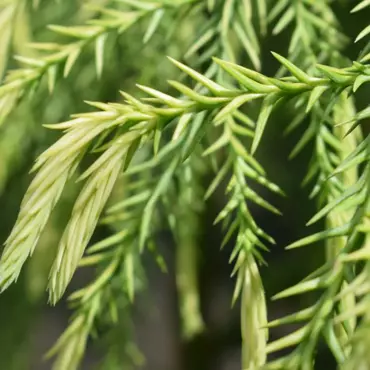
(142, 162)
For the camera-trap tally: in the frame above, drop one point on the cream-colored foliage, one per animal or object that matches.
(253, 314)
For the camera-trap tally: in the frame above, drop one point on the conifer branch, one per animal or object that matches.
(229, 20)
(148, 157)
(329, 147)
(96, 304)
(323, 316)
(330, 150)
(133, 123)
(61, 57)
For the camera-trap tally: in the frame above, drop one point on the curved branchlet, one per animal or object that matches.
(333, 316)
(358, 354)
(317, 21)
(102, 301)
(136, 213)
(237, 219)
(190, 309)
(322, 317)
(151, 152)
(134, 123)
(230, 32)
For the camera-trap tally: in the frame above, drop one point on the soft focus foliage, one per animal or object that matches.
(192, 135)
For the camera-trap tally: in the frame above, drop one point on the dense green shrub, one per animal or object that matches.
(151, 160)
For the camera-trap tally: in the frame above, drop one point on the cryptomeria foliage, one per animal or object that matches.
(143, 161)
